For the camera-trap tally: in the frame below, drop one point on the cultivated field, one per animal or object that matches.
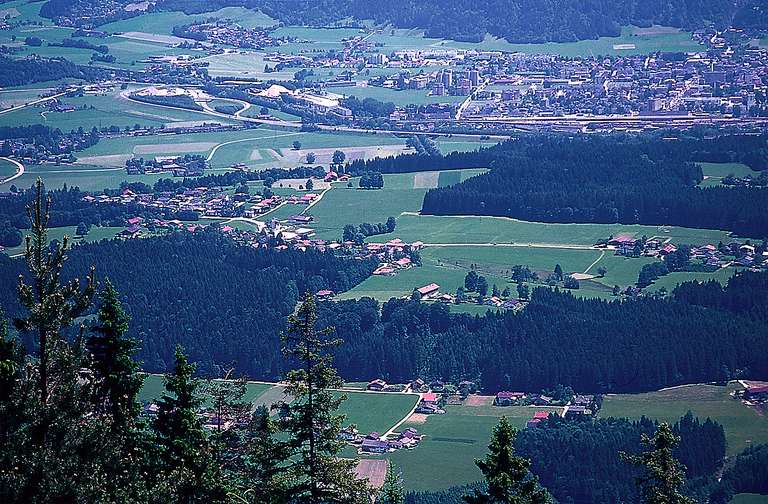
(743, 426)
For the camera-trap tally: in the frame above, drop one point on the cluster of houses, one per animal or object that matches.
(575, 407)
(376, 443)
(713, 256)
(179, 166)
(431, 292)
(395, 255)
(210, 420)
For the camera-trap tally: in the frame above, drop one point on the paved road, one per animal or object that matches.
(35, 102)
(19, 170)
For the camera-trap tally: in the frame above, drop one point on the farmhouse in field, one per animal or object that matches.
(376, 385)
(428, 291)
(756, 393)
(508, 398)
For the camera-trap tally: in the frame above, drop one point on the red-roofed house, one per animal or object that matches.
(376, 385)
(428, 291)
(429, 397)
(756, 393)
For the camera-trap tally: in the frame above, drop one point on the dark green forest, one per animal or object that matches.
(529, 21)
(226, 303)
(599, 179)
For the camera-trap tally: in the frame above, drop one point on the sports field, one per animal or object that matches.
(743, 426)
(404, 97)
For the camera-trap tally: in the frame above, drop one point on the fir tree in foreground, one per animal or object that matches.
(392, 492)
(663, 475)
(507, 475)
(310, 421)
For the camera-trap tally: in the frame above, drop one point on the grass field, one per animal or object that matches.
(743, 426)
(86, 177)
(102, 111)
(162, 23)
(746, 498)
(404, 97)
(6, 169)
(446, 456)
(715, 172)
(370, 412)
(473, 229)
(96, 234)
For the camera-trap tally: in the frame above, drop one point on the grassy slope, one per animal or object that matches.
(743, 426)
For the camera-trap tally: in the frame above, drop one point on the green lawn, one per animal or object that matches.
(747, 498)
(369, 411)
(6, 169)
(86, 177)
(376, 411)
(96, 234)
(743, 426)
(102, 111)
(446, 455)
(162, 23)
(715, 172)
(476, 229)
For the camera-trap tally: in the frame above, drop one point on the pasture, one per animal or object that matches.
(96, 234)
(446, 455)
(715, 172)
(369, 411)
(747, 498)
(743, 425)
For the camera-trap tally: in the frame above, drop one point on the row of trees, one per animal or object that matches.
(358, 234)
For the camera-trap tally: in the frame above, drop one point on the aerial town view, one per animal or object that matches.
(354, 252)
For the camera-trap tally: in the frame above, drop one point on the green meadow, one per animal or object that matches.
(96, 234)
(446, 455)
(369, 411)
(743, 426)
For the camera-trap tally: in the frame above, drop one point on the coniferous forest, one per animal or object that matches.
(227, 304)
(607, 179)
(528, 21)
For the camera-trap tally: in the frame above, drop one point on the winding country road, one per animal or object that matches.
(19, 170)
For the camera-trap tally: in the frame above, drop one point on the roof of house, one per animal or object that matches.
(427, 289)
(429, 397)
(541, 414)
(509, 395)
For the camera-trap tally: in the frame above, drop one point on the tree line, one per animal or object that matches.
(518, 21)
(606, 179)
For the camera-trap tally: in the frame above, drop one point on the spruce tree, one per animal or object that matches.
(663, 475)
(262, 473)
(186, 467)
(117, 382)
(392, 491)
(52, 306)
(310, 421)
(50, 441)
(507, 475)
